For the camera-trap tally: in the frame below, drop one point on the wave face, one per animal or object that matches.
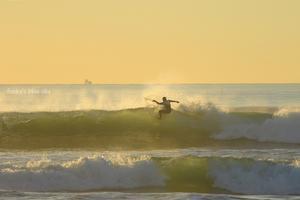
(167, 174)
(188, 126)
(256, 177)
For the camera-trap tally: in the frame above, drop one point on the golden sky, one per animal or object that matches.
(141, 41)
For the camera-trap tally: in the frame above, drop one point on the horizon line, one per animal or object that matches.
(155, 83)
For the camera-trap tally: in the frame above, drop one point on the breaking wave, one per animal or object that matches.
(188, 126)
(82, 174)
(181, 174)
(281, 127)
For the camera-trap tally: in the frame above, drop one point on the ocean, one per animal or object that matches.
(105, 141)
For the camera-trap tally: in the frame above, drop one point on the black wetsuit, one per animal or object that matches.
(166, 106)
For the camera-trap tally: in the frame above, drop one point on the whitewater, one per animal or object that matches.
(223, 141)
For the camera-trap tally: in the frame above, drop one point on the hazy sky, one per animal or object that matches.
(140, 41)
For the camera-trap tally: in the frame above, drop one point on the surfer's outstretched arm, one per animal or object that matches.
(174, 101)
(157, 102)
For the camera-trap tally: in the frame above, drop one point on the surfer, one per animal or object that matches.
(166, 103)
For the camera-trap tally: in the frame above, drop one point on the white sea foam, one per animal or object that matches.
(284, 127)
(86, 173)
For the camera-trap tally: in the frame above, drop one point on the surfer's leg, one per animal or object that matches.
(163, 111)
(160, 114)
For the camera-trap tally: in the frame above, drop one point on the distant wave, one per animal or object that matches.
(188, 126)
(182, 174)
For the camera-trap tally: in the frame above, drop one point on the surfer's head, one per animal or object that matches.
(164, 98)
